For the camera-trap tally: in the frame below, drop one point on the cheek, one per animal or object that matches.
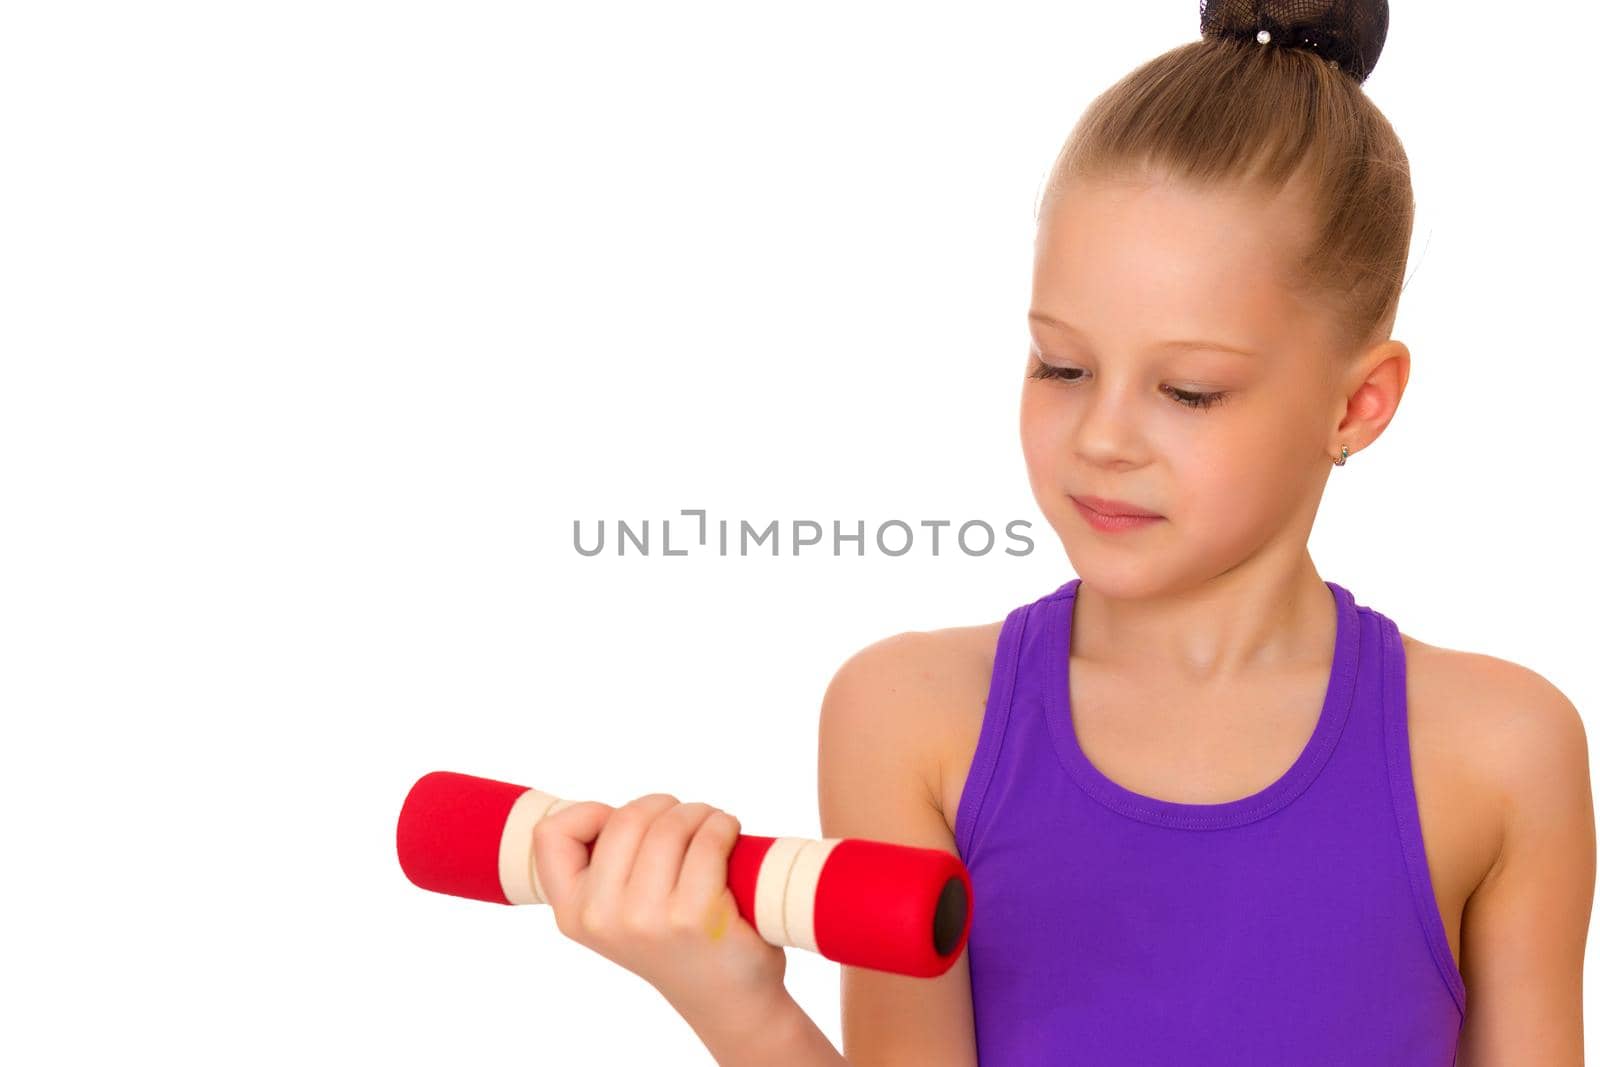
(1234, 475)
(1044, 434)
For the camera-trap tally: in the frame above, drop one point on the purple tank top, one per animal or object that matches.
(1295, 925)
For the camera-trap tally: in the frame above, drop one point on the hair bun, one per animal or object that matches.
(1348, 32)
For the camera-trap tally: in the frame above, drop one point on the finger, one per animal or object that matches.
(703, 881)
(661, 853)
(561, 847)
(614, 853)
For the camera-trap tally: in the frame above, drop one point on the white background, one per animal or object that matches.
(322, 322)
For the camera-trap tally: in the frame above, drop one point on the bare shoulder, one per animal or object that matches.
(1497, 747)
(939, 681)
(1505, 724)
(1525, 922)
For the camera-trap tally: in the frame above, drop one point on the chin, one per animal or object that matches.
(1120, 576)
(1121, 587)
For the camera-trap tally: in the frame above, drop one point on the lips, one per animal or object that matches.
(1112, 507)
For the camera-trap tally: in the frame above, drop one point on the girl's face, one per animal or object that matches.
(1134, 395)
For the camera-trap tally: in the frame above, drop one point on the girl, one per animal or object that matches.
(1215, 809)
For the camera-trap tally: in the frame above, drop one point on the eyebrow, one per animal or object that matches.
(1218, 346)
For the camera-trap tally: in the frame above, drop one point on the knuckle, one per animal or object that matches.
(688, 817)
(720, 822)
(645, 808)
(683, 920)
(638, 922)
(626, 816)
(591, 920)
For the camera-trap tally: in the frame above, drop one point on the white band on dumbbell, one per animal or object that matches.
(519, 875)
(786, 890)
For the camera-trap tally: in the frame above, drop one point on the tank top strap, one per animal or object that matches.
(1408, 816)
(997, 710)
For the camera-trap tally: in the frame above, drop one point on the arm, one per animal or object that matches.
(1525, 925)
(886, 717)
(784, 1034)
(877, 759)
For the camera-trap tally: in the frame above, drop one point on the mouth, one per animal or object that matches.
(1114, 508)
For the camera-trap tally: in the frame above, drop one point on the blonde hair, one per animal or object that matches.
(1222, 111)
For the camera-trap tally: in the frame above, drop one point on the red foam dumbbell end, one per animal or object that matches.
(893, 907)
(448, 836)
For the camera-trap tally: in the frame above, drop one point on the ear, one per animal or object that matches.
(1370, 392)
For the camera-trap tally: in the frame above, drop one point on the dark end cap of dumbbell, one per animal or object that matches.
(950, 917)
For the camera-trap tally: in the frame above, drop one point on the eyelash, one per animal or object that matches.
(1197, 401)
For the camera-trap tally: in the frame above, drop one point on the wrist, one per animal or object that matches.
(749, 1033)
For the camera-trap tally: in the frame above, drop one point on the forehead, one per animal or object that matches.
(1147, 256)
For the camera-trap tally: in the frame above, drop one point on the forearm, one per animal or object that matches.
(783, 1036)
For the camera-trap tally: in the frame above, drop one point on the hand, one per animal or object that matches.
(653, 898)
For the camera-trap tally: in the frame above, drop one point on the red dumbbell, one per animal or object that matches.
(859, 902)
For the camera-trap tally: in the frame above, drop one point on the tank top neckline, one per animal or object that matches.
(1336, 703)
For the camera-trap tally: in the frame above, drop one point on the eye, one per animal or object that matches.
(1197, 400)
(1047, 372)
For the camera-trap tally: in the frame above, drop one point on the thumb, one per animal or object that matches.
(561, 845)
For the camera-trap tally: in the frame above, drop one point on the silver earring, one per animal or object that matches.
(1344, 454)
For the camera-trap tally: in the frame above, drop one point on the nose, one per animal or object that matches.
(1107, 433)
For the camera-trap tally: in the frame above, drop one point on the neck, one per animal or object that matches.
(1221, 630)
